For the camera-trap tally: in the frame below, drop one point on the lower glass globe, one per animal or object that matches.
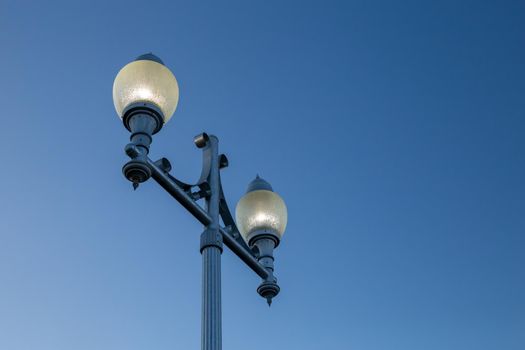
(261, 210)
(145, 80)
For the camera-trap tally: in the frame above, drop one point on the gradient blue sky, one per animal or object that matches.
(393, 130)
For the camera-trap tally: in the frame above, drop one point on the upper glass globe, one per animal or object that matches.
(146, 80)
(261, 211)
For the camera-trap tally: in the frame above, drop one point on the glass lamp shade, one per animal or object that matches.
(146, 81)
(261, 210)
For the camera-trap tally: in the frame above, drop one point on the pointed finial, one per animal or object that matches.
(269, 301)
(135, 185)
(149, 57)
(259, 184)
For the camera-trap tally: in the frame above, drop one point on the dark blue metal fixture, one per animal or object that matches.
(145, 93)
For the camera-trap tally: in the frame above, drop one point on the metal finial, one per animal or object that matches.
(149, 57)
(259, 184)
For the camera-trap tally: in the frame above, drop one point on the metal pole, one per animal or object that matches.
(211, 250)
(145, 120)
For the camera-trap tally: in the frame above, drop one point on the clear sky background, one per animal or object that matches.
(393, 130)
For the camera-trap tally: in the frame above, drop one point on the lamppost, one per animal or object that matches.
(145, 94)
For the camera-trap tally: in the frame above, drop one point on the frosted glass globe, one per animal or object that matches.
(261, 210)
(146, 81)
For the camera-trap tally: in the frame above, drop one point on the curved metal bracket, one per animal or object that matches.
(202, 142)
(228, 220)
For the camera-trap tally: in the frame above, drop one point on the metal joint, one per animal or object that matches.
(223, 161)
(200, 194)
(203, 192)
(201, 140)
(142, 110)
(211, 238)
(164, 164)
(257, 235)
(132, 150)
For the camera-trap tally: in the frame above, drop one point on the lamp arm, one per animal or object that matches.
(179, 190)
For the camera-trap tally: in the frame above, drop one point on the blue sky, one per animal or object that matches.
(393, 130)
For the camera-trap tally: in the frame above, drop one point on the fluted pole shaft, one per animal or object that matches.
(211, 299)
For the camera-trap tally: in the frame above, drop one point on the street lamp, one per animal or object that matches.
(261, 217)
(145, 94)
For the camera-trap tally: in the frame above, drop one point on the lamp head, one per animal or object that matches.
(145, 86)
(261, 213)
